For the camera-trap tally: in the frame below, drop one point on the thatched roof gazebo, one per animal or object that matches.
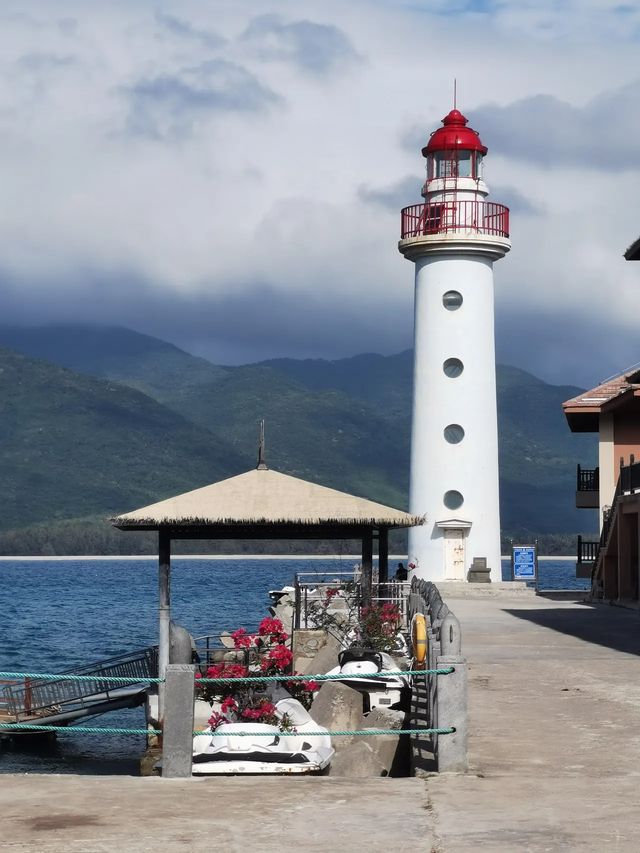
(263, 504)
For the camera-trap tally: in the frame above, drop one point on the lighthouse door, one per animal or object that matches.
(454, 561)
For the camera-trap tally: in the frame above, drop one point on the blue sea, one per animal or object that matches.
(62, 613)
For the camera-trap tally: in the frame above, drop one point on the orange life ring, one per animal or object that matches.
(419, 640)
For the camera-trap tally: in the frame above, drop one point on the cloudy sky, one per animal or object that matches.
(228, 176)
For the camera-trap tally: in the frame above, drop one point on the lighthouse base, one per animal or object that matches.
(450, 551)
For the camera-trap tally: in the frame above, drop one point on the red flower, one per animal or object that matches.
(229, 705)
(278, 659)
(242, 640)
(311, 686)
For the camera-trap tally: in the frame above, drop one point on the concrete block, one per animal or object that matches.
(452, 710)
(326, 657)
(356, 761)
(391, 751)
(177, 729)
(338, 707)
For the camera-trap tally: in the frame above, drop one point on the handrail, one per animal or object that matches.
(466, 215)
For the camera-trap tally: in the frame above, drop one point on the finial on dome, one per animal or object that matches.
(262, 465)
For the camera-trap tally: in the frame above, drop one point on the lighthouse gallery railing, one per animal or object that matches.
(480, 217)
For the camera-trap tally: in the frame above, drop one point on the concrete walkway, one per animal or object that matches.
(555, 730)
(555, 752)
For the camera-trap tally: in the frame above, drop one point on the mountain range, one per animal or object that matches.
(98, 420)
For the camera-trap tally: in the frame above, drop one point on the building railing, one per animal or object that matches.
(587, 479)
(468, 215)
(588, 550)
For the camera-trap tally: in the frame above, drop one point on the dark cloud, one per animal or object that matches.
(514, 200)
(170, 105)
(242, 325)
(316, 48)
(404, 192)
(545, 130)
(44, 62)
(238, 325)
(407, 191)
(577, 349)
(185, 29)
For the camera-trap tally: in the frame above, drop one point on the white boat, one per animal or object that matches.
(267, 749)
(356, 665)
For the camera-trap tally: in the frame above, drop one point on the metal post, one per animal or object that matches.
(164, 611)
(452, 710)
(177, 728)
(367, 567)
(383, 555)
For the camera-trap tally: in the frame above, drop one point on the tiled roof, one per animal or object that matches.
(606, 391)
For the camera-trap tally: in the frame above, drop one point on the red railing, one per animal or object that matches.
(479, 217)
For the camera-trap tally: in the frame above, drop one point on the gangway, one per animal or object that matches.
(64, 700)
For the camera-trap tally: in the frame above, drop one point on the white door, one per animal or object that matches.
(454, 562)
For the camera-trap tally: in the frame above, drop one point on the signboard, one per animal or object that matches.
(524, 562)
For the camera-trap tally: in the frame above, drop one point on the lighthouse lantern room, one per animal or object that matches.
(453, 237)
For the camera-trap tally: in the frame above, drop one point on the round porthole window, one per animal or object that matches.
(453, 367)
(453, 499)
(452, 300)
(453, 433)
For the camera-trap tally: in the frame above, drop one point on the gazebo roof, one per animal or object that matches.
(263, 498)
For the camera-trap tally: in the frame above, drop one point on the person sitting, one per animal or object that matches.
(401, 573)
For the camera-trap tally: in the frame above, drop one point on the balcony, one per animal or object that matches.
(466, 217)
(587, 488)
(587, 556)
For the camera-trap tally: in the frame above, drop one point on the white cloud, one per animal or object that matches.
(216, 152)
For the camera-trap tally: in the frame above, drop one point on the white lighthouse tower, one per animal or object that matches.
(453, 238)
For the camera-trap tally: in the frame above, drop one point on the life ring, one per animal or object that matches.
(419, 637)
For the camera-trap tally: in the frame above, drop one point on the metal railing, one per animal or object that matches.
(471, 216)
(35, 698)
(587, 479)
(587, 550)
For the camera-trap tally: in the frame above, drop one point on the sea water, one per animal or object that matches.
(61, 613)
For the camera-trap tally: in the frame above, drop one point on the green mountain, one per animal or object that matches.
(344, 423)
(73, 445)
(153, 366)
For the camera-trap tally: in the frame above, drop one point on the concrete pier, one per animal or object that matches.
(554, 747)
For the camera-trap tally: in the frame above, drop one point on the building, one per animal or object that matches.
(453, 238)
(612, 410)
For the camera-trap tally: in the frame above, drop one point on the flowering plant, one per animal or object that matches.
(241, 702)
(379, 624)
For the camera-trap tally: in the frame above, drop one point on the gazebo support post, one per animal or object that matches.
(367, 567)
(383, 555)
(164, 611)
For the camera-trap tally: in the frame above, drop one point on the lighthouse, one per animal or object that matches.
(453, 238)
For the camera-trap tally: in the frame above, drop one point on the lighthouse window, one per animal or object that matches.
(452, 300)
(453, 433)
(464, 164)
(445, 165)
(453, 499)
(453, 367)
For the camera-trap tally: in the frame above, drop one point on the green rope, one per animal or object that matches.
(47, 676)
(93, 730)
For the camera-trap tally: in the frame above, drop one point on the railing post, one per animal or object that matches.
(177, 729)
(452, 710)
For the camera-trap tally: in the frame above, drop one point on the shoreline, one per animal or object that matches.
(154, 557)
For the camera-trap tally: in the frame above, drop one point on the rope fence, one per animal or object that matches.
(93, 730)
(113, 679)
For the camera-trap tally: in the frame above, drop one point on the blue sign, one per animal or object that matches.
(523, 560)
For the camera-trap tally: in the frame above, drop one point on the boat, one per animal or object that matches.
(267, 749)
(356, 665)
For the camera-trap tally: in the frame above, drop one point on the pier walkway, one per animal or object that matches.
(554, 746)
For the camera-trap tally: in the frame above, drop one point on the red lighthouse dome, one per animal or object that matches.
(454, 135)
